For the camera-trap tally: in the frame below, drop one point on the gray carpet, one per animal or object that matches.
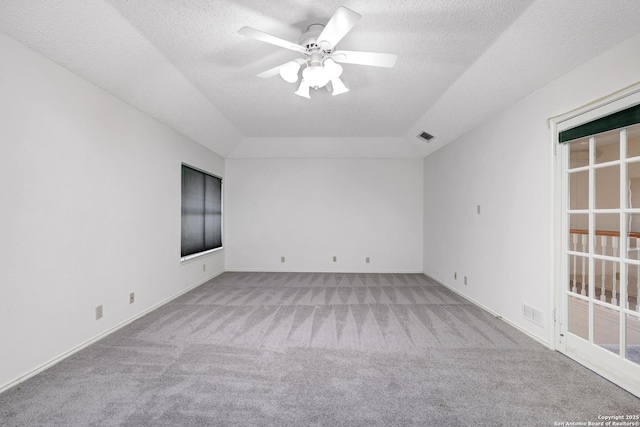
(315, 349)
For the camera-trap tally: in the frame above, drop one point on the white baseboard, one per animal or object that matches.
(294, 270)
(87, 343)
(488, 310)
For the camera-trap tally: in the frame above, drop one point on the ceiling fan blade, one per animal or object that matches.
(272, 72)
(387, 60)
(268, 38)
(338, 26)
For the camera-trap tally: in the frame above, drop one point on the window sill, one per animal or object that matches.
(189, 258)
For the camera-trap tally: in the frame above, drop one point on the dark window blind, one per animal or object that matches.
(618, 120)
(201, 212)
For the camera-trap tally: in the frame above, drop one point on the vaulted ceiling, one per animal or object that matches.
(182, 62)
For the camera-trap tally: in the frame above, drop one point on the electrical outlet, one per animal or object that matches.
(367, 260)
(455, 275)
(478, 209)
(99, 312)
(335, 258)
(204, 267)
(465, 280)
(281, 259)
(132, 298)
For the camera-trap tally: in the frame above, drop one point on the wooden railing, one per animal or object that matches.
(608, 243)
(633, 234)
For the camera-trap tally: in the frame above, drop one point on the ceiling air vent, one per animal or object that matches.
(426, 137)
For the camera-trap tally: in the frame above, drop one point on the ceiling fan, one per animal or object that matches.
(321, 61)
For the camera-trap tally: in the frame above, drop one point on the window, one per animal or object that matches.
(201, 212)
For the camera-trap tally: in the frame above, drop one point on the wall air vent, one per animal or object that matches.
(532, 314)
(426, 137)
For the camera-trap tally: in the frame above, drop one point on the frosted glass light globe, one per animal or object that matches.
(289, 72)
(315, 76)
(333, 69)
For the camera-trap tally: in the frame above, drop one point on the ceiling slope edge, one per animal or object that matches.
(547, 41)
(324, 148)
(92, 49)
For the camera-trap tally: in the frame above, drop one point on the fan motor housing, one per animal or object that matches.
(310, 37)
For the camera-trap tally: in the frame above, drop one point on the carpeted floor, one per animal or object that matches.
(315, 349)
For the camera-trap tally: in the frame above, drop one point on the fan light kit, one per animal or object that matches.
(321, 61)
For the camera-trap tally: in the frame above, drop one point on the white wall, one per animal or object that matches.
(90, 212)
(505, 166)
(310, 210)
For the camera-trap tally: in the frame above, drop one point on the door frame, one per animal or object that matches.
(620, 100)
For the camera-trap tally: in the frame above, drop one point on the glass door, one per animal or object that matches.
(600, 256)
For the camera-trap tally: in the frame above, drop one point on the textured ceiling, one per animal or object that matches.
(182, 62)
